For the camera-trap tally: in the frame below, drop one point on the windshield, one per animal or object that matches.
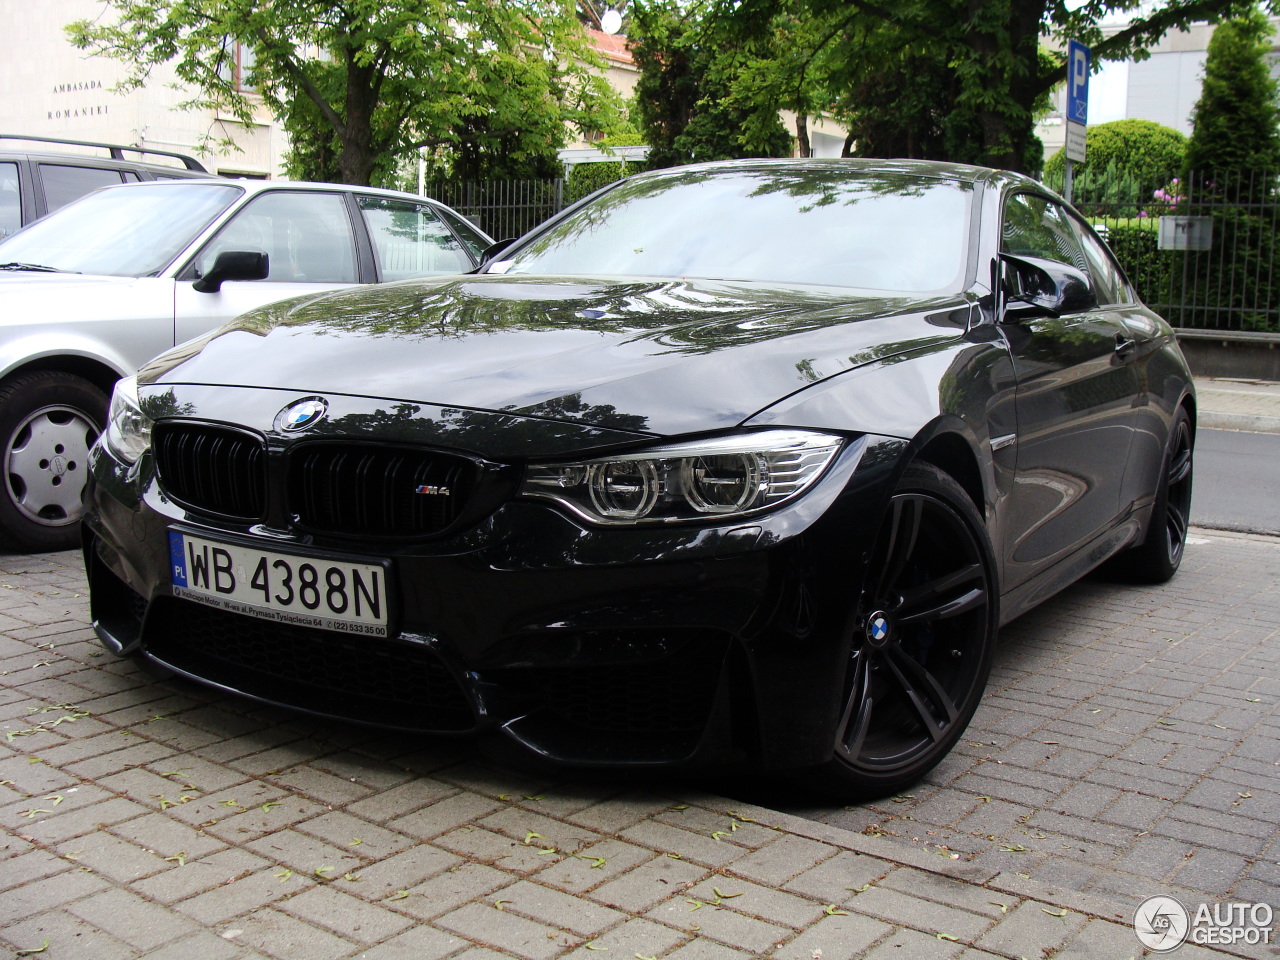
(825, 224)
(121, 232)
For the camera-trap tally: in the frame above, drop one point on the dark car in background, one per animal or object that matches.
(94, 290)
(741, 464)
(36, 181)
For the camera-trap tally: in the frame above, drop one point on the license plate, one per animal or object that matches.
(311, 592)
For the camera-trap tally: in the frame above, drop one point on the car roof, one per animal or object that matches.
(252, 187)
(115, 159)
(106, 163)
(922, 168)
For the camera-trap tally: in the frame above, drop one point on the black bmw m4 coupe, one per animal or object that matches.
(736, 466)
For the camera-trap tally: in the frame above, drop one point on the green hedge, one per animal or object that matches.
(1135, 242)
(587, 178)
(1242, 289)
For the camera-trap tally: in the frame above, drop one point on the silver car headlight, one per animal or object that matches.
(699, 480)
(128, 433)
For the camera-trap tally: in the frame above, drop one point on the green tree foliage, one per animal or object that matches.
(1234, 124)
(959, 80)
(1232, 162)
(1143, 151)
(685, 102)
(488, 84)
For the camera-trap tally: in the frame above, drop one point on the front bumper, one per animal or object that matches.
(683, 645)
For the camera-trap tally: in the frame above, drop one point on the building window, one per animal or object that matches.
(236, 64)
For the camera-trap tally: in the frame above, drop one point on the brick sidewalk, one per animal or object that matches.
(1238, 404)
(1129, 740)
(160, 819)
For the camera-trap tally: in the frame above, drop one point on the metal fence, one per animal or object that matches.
(502, 208)
(1201, 249)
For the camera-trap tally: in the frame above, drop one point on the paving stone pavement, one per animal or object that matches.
(158, 819)
(1128, 743)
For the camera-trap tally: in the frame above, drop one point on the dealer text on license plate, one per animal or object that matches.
(326, 594)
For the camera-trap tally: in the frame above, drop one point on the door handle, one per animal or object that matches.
(1126, 348)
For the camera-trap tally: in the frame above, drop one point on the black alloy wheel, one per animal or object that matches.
(922, 639)
(1158, 557)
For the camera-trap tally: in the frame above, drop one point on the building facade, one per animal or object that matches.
(49, 88)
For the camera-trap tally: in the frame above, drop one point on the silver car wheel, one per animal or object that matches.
(46, 459)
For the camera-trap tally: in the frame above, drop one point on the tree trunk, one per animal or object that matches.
(356, 161)
(802, 135)
(1003, 41)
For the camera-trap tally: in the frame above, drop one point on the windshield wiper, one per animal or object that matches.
(40, 267)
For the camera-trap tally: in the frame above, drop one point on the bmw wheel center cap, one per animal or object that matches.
(302, 414)
(878, 629)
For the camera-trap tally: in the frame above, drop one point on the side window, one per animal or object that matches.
(306, 237)
(476, 241)
(1036, 227)
(63, 183)
(1107, 278)
(410, 240)
(10, 200)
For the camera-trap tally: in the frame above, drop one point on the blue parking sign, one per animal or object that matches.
(1077, 82)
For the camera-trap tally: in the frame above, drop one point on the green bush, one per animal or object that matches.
(1154, 272)
(1234, 286)
(1143, 151)
(1232, 161)
(587, 178)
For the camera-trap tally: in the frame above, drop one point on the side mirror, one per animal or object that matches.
(495, 248)
(234, 265)
(1045, 286)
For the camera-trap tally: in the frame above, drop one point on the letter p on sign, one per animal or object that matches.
(1077, 82)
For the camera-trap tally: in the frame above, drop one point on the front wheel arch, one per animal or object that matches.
(101, 375)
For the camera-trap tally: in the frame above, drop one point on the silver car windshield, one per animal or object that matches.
(131, 231)
(876, 230)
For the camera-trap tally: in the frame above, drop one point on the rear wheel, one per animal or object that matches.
(48, 422)
(922, 640)
(1158, 557)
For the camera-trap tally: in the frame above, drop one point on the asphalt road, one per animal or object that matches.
(1235, 481)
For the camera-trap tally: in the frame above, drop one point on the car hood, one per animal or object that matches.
(29, 295)
(655, 356)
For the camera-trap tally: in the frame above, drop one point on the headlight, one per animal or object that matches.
(700, 480)
(128, 433)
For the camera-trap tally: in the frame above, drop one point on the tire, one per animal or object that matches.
(1158, 557)
(48, 421)
(922, 641)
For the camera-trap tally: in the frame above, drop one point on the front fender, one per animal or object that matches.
(953, 403)
(116, 322)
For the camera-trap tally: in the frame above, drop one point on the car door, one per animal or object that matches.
(310, 244)
(1150, 436)
(1076, 388)
(411, 240)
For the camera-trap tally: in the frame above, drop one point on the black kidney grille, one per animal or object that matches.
(212, 468)
(356, 489)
